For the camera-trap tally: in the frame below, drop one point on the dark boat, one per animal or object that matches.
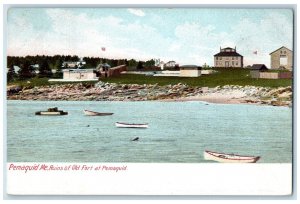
(51, 112)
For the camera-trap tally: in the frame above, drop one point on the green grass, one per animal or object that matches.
(224, 76)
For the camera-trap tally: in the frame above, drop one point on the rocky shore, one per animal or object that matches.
(101, 91)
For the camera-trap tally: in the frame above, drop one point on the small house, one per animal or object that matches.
(255, 70)
(170, 64)
(190, 71)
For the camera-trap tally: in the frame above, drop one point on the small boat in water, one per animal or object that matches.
(51, 111)
(131, 125)
(229, 158)
(93, 113)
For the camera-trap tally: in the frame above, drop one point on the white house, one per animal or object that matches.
(77, 75)
(16, 68)
(170, 64)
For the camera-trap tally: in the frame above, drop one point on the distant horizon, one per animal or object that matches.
(186, 36)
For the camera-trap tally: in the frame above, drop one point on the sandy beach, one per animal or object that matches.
(232, 97)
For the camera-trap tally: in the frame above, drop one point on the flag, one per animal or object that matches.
(255, 52)
(103, 48)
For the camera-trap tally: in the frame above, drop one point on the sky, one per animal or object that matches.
(185, 35)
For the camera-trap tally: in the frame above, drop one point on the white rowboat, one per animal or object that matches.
(131, 125)
(229, 158)
(93, 113)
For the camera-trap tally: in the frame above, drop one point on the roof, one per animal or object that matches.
(105, 65)
(281, 48)
(227, 48)
(258, 67)
(190, 67)
(227, 54)
(77, 70)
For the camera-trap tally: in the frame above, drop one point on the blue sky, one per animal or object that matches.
(187, 36)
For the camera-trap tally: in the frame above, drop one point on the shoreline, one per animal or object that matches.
(229, 94)
(215, 100)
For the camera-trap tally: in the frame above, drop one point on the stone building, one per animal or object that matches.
(228, 57)
(282, 58)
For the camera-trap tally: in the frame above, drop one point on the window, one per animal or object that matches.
(284, 52)
(216, 58)
(232, 58)
(236, 64)
(283, 60)
(232, 63)
(220, 58)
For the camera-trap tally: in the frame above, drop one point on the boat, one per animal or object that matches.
(93, 113)
(131, 125)
(229, 158)
(51, 111)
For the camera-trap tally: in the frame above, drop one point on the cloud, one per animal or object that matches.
(174, 47)
(271, 32)
(137, 12)
(186, 42)
(268, 34)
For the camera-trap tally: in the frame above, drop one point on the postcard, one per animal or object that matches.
(149, 101)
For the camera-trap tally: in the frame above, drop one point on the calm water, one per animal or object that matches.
(178, 132)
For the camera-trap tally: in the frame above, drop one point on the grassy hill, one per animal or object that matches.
(223, 76)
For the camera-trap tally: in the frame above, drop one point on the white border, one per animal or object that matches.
(133, 2)
(153, 179)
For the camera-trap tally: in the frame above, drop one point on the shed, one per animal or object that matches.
(190, 71)
(256, 69)
(259, 67)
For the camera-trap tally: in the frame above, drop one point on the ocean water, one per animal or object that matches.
(178, 132)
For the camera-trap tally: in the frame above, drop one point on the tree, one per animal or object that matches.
(44, 69)
(150, 63)
(26, 70)
(58, 65)
(11, 74)
(132, 63)
(139, 65)
(74, 58)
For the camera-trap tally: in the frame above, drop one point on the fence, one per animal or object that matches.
(271, 75)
